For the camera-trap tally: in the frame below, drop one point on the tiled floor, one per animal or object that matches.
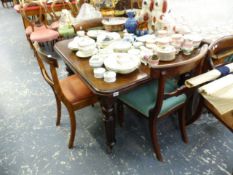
(31, 144)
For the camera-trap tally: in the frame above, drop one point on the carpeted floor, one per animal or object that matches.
(31, 144)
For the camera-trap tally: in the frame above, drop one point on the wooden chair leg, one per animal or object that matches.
(58, 110)
(154, 138)
(182, 124)
(120, 113)
(72, 127)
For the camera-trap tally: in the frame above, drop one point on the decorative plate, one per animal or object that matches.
(123, 63)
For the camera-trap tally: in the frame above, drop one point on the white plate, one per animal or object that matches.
(95, 33)
(85, 41)
(82, 55)
(123, 63)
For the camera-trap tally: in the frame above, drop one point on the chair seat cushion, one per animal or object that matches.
(28, 30)
(74, 89)
(44, 35)
(144, 98)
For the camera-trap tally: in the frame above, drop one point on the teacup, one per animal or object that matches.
(110, 76)
(81, 33)
(162, 33)
(187, 46)
(163, 42)
(177, 39)
(196, 40)
(99, 72)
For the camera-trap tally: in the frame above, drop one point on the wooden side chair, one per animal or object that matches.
(5, 3)
(71, 91)
(162, 96)
(38, 31)
(220, 53)
(66, 31)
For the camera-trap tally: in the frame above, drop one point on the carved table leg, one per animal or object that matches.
(107, 106)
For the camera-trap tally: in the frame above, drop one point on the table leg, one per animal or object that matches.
(107, 106)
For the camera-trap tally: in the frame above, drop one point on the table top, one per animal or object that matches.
(123, 82)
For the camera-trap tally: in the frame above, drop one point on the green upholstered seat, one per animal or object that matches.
(143, 98)
(66, 31)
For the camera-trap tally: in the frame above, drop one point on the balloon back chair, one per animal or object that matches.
(65, 31)
(221, 51)
(162, 96)
(71, 91)
(38, 31)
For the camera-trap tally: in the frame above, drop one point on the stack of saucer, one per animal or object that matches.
(86, 47)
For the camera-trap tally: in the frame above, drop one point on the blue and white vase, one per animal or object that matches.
(131, 23)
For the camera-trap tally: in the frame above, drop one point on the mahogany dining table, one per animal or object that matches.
(108, 92)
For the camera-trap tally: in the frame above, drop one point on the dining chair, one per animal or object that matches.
(162, 96)
(71, 91)
(221, 51)
(38, 30)
(5, 3)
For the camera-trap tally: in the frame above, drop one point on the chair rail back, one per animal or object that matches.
(51, 79)
(33, 20)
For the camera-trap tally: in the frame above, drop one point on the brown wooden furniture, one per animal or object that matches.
(87, 24)
(35, 10)
(220, 49)
(38, 30)
(165, 103)
(5, 3)
(107, 92)
(71, 91)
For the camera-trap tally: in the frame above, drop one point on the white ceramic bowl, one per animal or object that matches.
(96, 61)
(99, 72)
(163, 41)
(167, 53)
(121, 46)
(196, 39)
(110, 76)
(162, 33)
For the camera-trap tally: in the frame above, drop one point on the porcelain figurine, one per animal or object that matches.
(153, 12)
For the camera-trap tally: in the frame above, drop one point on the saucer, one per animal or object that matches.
(80, 54)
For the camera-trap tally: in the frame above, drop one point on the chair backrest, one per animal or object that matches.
(33, 20)
(50, 76)
(63, 3)
(220, 50)
(164, 72)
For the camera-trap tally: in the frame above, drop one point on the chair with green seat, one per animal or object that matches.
(162, 96)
